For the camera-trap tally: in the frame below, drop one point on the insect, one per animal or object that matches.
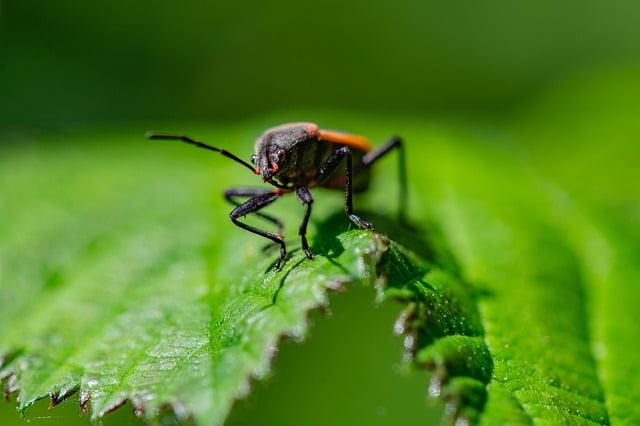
(296, 157)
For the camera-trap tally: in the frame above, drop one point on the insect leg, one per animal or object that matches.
(232, 193)
(304, 195)
(328, 167)
(252, 206)
(373, 156)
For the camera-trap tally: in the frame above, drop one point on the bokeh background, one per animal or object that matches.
(73, 63)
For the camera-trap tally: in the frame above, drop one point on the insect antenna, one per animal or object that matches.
(186, 139)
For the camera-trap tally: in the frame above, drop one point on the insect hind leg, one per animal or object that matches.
(371, 157)
(260, 200)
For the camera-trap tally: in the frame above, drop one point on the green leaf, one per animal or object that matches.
(123, 280)
(587, 133)
(127, 291)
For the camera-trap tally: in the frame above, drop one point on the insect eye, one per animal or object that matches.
(253, 159)
(277, 156)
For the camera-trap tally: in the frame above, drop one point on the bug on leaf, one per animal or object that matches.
(296, 157)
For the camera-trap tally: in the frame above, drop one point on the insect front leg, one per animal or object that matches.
(371, 157)
(233, 193)
(260, 200)
(304, 195)
(329, 166)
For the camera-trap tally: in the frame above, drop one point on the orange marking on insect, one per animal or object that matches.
(281, 191)
(353, 141)
(274, 168)
(311, 129)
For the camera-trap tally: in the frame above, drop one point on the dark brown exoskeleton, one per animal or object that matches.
(296, 157)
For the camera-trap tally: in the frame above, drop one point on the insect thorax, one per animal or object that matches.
(300, 166)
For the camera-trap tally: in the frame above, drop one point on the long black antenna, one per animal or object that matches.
(164, 136)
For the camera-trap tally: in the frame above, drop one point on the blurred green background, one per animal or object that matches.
(69, 63)
(73, 64)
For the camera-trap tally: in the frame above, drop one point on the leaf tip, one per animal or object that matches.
(58, 397)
